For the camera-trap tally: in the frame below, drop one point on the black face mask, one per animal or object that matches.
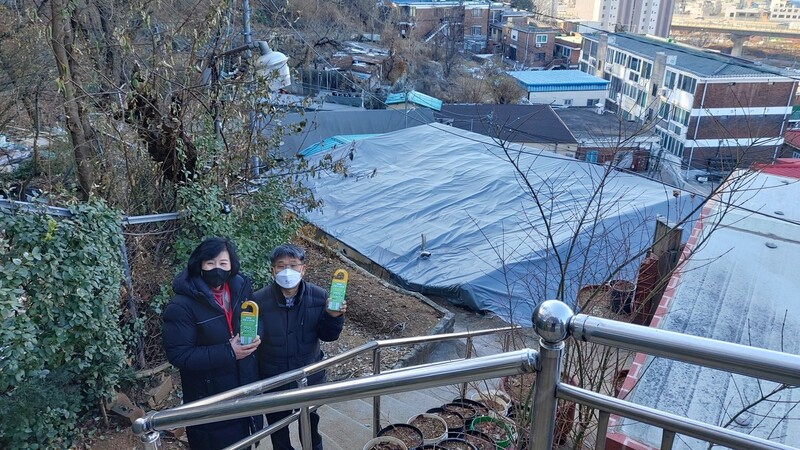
(215, 277)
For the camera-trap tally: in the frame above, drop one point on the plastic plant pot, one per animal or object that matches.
(409, 434)
(437, 427)
(495, 428)
(454, 420)
(385, 440)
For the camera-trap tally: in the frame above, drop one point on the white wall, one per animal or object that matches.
(578, 98)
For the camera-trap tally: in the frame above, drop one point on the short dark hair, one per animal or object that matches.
(290, 250)
(209, 249)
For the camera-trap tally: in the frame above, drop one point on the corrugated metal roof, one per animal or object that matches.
(690, 59)
(784, 167)
(739, 285)
(558, 80)
(418, 98)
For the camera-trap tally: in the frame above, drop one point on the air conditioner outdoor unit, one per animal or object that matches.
(664, 92)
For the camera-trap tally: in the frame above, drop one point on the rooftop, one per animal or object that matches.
(607, 129)
(418, 98)
(691, 59)
(513, 123)
(555, 77)
(739, 285)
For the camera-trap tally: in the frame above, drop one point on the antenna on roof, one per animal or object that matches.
(422, 252)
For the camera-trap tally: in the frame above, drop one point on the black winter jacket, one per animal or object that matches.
(291, 337)
(196, 341)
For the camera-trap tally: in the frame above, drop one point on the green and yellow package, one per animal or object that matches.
(248, 325)
(338, 288)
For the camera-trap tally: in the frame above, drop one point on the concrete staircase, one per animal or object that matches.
(348, 425)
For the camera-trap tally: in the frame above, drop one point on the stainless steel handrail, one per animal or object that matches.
(764, 364)
(554, 322)
(665, 420)
(494, 366)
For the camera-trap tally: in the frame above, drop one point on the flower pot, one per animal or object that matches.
(495, 428)
(454, 420)
(455, 444)
(481, 441)
(480, 408)
(409, 434)
(497, 401)
(433, 427)
(621, 296)
(467, 411)
(388, 440)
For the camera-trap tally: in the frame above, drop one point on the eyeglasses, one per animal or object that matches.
(288, 266)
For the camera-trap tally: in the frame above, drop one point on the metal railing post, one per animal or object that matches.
(305, 419)
(376, 401)
(467, 355)
(551, 322)
(151, 440)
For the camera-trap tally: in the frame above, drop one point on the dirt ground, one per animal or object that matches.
(375, 310)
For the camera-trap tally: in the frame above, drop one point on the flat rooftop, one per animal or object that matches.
(555, 77)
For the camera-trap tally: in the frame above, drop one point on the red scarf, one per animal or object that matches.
(223, 298)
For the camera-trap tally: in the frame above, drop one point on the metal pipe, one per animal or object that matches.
(755, 362)
(376, 400)
(495, 366)
(462, 392)
(264, 432)
(667, 421)
(602, 430)
(151, 440)
(442, 337)
(551, 321)
(305, 419)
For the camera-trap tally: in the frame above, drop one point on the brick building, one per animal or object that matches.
(523, 41)
(712, 110)
(466, 22)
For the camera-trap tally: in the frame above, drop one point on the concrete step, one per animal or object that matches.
(348, 425)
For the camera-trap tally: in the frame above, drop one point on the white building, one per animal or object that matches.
(632, 16)
(562, 87)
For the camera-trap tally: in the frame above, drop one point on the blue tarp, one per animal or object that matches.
(497, 242)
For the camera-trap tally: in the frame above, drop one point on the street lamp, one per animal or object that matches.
(271, 65)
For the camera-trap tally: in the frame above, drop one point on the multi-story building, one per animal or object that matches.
(523, 41)
(785, 11)
(632, 16)
(464, 22)
(708, 108)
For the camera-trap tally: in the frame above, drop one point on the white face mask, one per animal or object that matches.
(288, 278)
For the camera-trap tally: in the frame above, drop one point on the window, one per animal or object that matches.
(633, 76)
(663, 110)
(476, 30)
(592, 102)
(647, 70)
(541, 39)
(477, 12)
(681, 116)
(567, 52)
(633, 63)
(687, 83)
(669, 79)
(591, 156)
(568, 102)
(619, 58)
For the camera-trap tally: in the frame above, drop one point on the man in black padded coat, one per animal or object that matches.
(295, 318)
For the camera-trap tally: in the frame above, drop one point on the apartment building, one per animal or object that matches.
(632, 16)
(712, 110)
(465, 22)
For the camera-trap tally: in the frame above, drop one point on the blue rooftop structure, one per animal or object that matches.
(333, 142)
(558, 80)
(415, 97)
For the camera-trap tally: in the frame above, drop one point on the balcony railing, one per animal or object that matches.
(554, 322)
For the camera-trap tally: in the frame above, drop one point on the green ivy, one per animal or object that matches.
(59, 307)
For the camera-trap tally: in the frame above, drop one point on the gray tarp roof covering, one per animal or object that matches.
(488, 241)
